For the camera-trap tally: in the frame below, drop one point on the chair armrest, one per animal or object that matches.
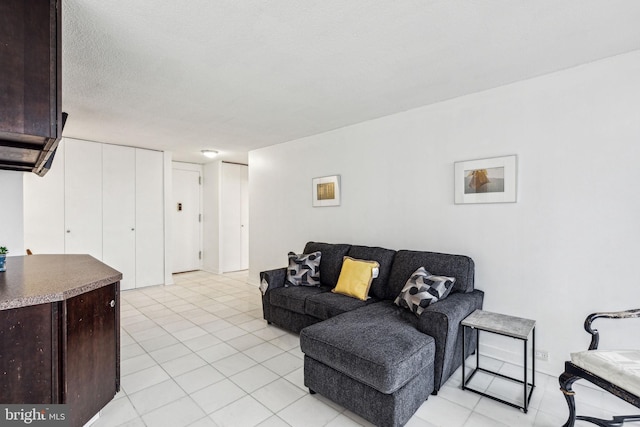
(442, 321)
(595, 337)
(273, 279)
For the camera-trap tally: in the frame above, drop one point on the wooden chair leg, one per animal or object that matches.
(566, 381)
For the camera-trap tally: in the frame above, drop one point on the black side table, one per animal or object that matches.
(510, 326)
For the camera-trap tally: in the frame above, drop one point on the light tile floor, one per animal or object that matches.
(198, 353)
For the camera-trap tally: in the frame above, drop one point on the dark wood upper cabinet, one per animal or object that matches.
(30, 83)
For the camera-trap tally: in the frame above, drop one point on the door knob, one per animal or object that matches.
(112, 303)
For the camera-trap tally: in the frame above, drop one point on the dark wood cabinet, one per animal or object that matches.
(63, 352)
(92, 356)
(30, 83)
(26, 346)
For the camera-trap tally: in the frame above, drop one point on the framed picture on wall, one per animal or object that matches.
(486, 180)
(326, 191)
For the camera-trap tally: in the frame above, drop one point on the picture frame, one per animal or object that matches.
(326, 191)
(492, 180)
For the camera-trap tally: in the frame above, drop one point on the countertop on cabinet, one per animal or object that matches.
(39, 279)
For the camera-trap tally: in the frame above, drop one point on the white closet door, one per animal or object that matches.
(149, 218)
(83, 198)
(244, 218)
(233, 218)
(44, 208)
(118, 223)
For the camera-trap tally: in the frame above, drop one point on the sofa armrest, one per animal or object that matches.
(442, 321)
(272, 279)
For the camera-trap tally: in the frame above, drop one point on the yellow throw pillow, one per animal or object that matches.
(355, 278)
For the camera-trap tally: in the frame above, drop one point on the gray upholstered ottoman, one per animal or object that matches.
(373, 361)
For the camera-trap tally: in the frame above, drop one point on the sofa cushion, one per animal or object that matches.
(384, 258)
(406, 262)
(304, 269)
(355, 278)
(329, 304)
(293, 297)
(423, 289)
(377, 345)
(331, 261)
(619, 367)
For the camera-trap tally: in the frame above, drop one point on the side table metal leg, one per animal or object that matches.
(463, 355)
(533, 359)
(526, 401)
(477, 348)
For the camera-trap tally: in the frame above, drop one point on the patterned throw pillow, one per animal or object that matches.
(423, 289)
(304, 270)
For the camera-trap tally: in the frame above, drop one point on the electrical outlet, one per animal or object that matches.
(542, 355)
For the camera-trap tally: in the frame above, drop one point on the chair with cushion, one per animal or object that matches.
(615, 371)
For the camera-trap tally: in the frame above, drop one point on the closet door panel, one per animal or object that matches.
(244, 217)
(83, 198)
(118, 201)
(149, 218)
(231, 217)
(44, 208)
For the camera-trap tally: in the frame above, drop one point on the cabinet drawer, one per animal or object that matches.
(99, 302)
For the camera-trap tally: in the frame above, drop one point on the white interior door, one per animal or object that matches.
(83, 198)
(119, 221)
(186, 220)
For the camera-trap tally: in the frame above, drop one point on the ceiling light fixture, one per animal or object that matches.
(209, 153)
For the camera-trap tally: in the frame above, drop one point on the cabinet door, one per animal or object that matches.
(118, 213)
(26, 368)
(92, 352)
(83, 198)
(149, 218)
(29, 92)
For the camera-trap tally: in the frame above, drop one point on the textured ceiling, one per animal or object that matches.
(236, 75)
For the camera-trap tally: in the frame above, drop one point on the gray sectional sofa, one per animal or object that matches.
(373, 357)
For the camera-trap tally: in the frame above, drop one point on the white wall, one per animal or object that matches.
(11, 212)
(567, 248)
(44, 219)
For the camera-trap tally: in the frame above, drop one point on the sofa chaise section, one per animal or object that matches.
(376, 352)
